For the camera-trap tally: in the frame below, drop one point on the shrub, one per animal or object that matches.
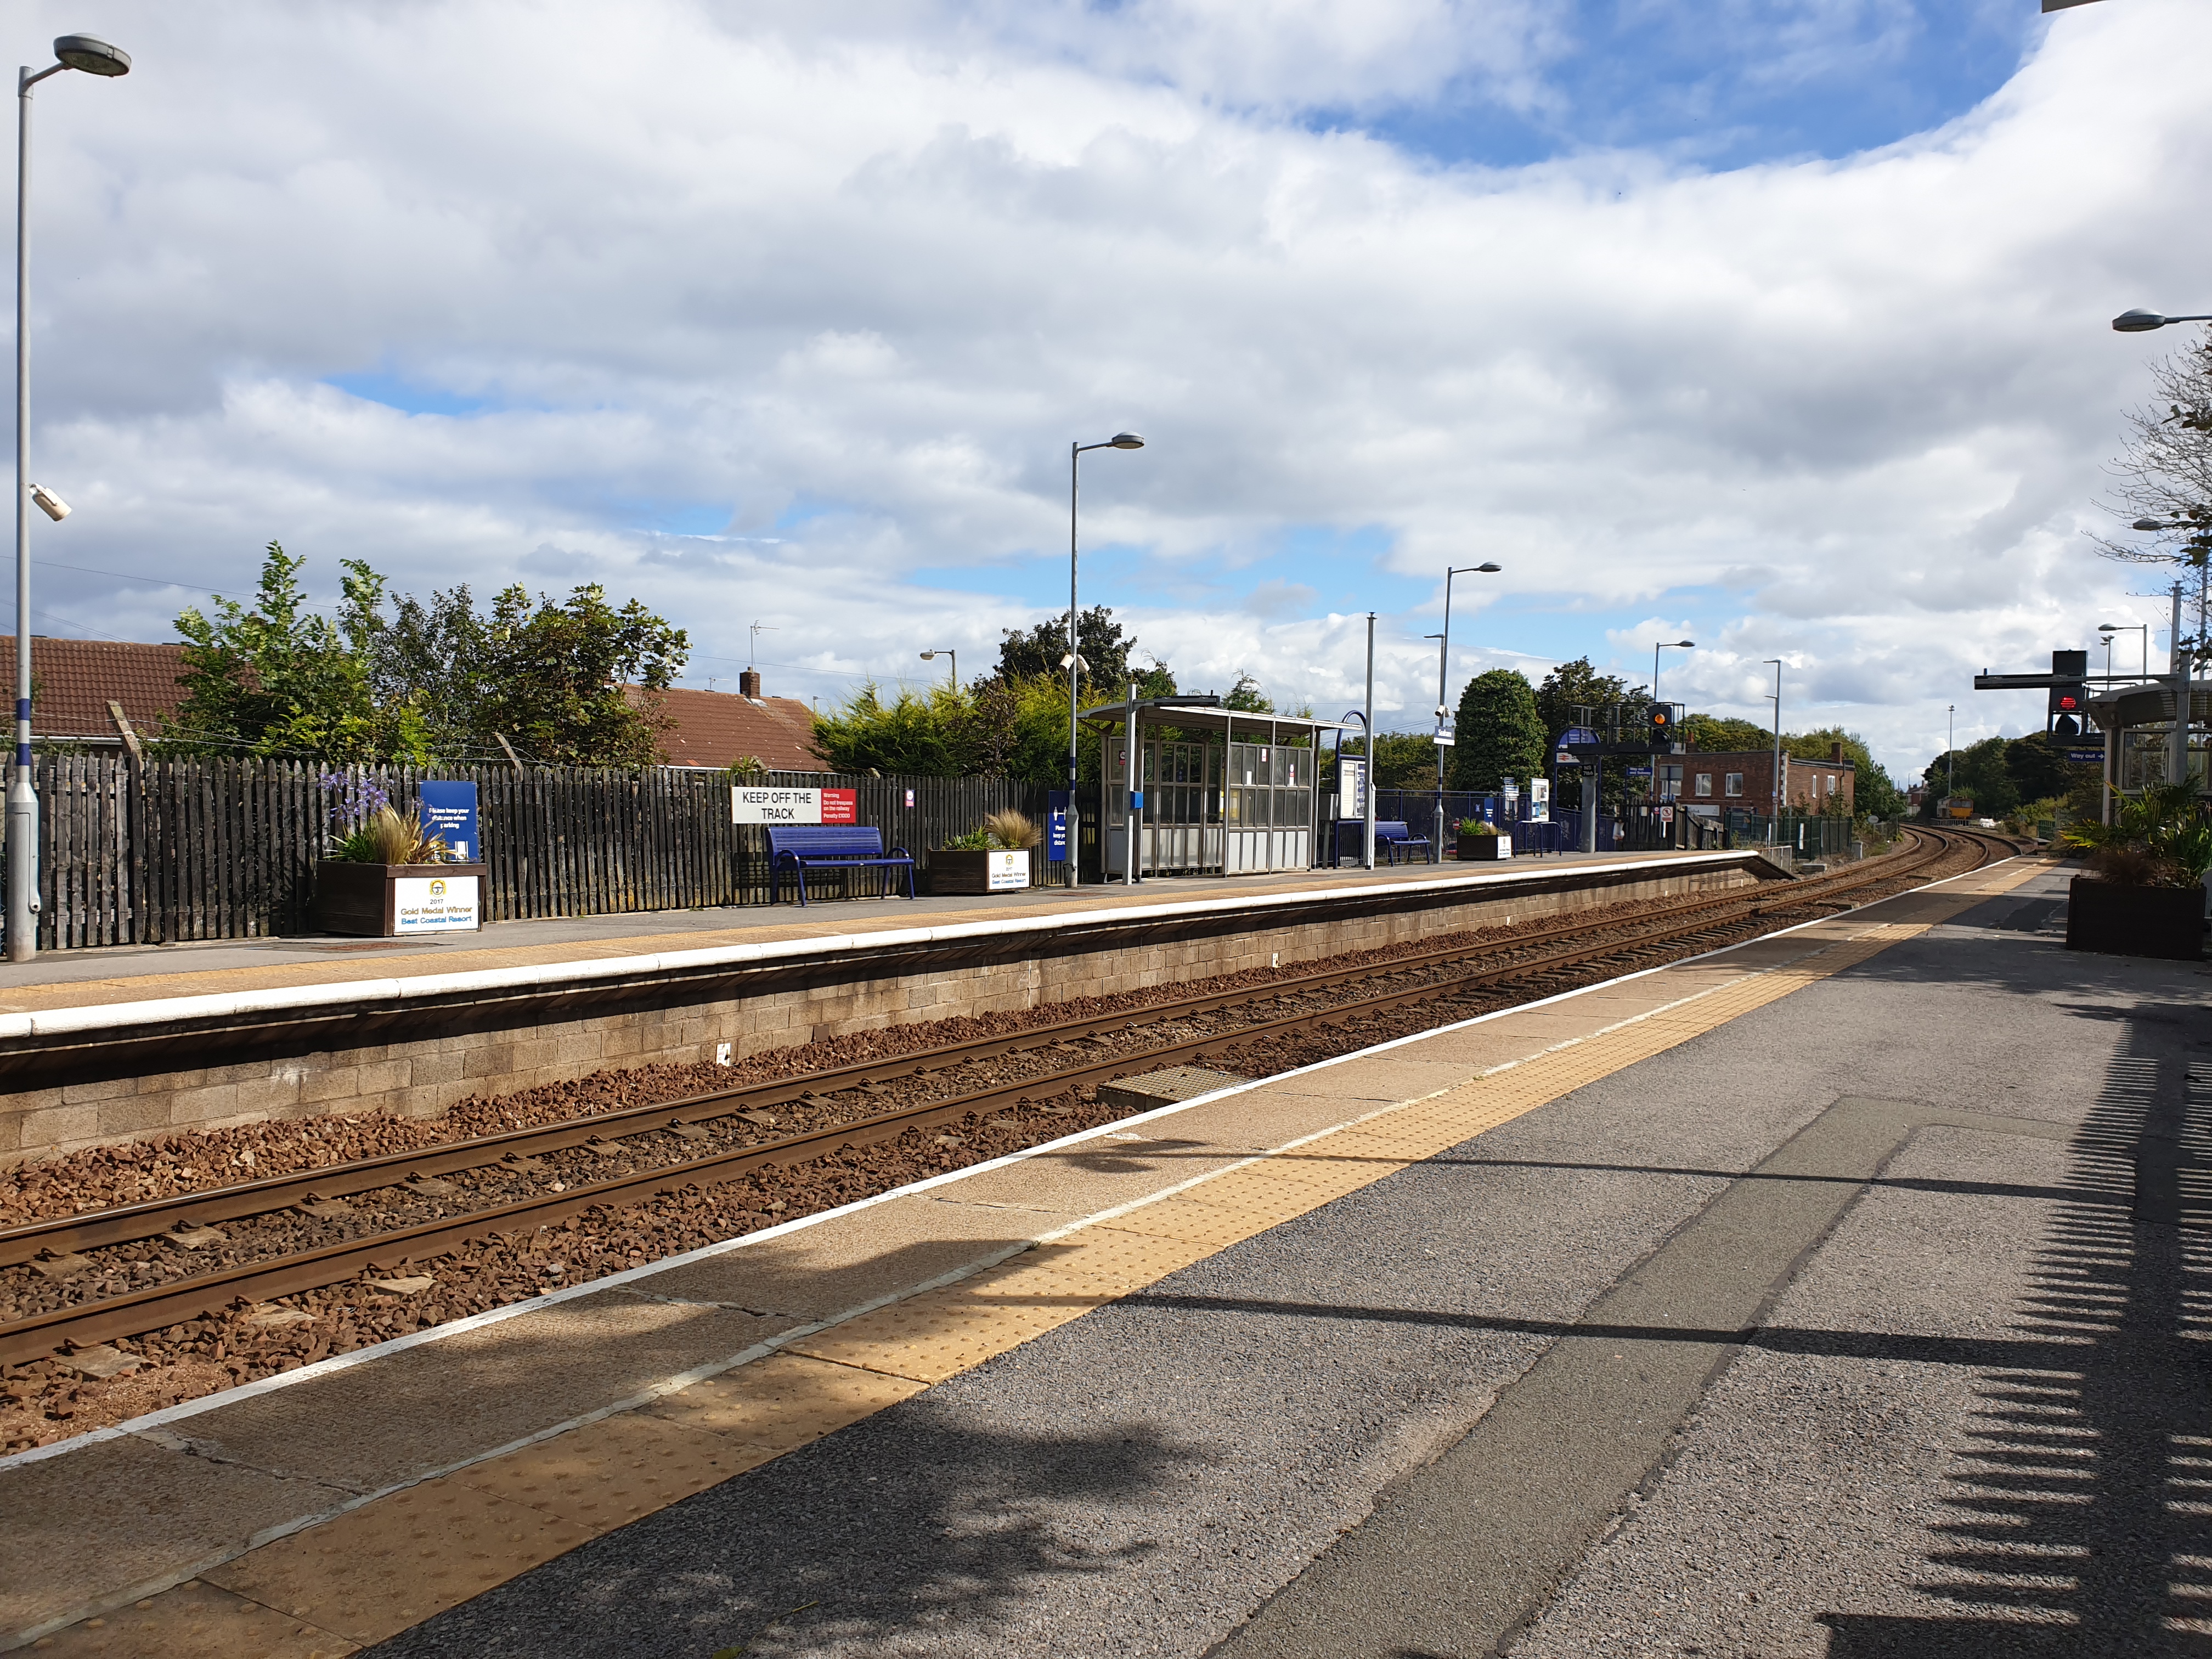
(387, 838)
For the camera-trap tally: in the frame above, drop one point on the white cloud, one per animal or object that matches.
(846, 280)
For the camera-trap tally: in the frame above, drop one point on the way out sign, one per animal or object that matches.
(781, 806)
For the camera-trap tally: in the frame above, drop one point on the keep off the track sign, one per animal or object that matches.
(778, 806)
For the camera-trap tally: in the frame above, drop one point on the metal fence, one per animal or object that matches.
(207, 849)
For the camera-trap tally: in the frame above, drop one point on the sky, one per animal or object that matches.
(1780, 326)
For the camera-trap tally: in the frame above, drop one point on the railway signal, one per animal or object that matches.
(1660, 718)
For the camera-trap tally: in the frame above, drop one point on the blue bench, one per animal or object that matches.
(1392, 837)
(801, 848)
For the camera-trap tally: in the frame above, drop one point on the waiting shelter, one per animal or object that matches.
(2137, 724)
(1222, 792)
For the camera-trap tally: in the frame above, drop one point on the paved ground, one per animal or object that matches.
(1860, 1325)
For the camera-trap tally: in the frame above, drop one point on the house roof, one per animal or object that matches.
(719, 728)
(72, 680)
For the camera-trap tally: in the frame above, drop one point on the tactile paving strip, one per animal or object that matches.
(396, 1561)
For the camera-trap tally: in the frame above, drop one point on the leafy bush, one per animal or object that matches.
(1013, 831)
(2157, 839)
(1477, 827)
(975, 840)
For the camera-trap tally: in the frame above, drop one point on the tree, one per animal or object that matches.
(434, 679)
(2167, 476)
(273, 678)
(1874, 792)
(1722, 734)
(1571, 687)
(1500, 733)
(1103, 646)
(1981, 775)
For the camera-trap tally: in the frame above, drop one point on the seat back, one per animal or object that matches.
(834, 839)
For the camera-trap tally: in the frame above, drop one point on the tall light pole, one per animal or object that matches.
(72, 52)
(1666, 645)
(1367, 722)
(1444, 692)
(1774, 806)
(945, 651)
(1951, 752)
(1075, 664)
(2110, 628)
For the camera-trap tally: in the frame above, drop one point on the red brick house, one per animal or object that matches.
(718, 729)
(1709, 784)
(72, 681)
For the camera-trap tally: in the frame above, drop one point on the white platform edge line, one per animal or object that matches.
(244, 1391)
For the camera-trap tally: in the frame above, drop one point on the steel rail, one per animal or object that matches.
(131, 1313)
(130, 1222)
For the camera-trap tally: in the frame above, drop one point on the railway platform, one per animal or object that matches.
(1837, 1293)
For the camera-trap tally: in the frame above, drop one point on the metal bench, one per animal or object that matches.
(808, 847)
(1391, 836)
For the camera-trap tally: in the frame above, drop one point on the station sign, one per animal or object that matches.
(1352, 787)
(1639, 771)
(1055, 826)
(435, 904)
(449, 811)
(2085, 756)
(786, 807)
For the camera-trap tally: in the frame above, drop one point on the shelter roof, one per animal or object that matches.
(1200, 717)
(2152, 705)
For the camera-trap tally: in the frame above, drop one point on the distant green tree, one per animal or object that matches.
(1720, 734)
(1573, 686)
(273, 678)
(1981, 775)
(1500, 734)
(1874, 792)
(2039, 770)
(1403, 760)
(1103, 645)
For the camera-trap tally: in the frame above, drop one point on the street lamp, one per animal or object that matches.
(73, 51)
(2110, 628)
(1075, 664)
(2141, 322)
(1775, 804)
(1443, 665)
(1666, 645)
(945, 651)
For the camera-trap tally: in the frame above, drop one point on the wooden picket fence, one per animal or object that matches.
(211, 849)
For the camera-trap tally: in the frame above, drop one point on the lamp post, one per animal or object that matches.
(1774, 806)
(945, 651)
(2110, 628)
(1951, 752)
(71, 52)
(1444, 667)
(1666, 645)
(1075, 664)
(1367, 727)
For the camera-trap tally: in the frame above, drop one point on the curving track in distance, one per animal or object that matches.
(1527, 960)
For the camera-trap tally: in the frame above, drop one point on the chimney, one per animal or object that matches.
(1835, 751)
(749, 682)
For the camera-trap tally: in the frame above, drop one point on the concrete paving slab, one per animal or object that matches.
(194, 1621)
(436, 1405)
(151, 1512)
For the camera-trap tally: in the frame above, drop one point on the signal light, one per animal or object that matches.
(1660, 718)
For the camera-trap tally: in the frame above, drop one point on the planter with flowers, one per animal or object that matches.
(992, 858)
(388, 879)
(1479, 839)
(2144, 894)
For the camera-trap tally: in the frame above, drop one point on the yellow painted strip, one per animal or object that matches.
(379, 1569)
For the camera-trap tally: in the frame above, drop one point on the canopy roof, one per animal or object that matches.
(1205, 717)
(2115, 711)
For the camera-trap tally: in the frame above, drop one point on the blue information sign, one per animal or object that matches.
(449, 810)
(1055, 826)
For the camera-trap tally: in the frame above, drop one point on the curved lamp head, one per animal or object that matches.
(1686, 645)
(1490, 569)
(2151, 524)
(2108, 628)
(91, 54)
(2139, 321)
(1126, 440)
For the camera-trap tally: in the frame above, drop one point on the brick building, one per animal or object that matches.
(1709, 784)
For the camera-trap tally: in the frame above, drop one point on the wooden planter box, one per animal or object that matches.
(958, 871)
(1488, 848)
(397, 900)
(2167, 922)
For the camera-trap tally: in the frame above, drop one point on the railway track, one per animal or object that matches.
(57, 1248)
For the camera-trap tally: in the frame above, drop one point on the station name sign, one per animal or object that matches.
(779, 806)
